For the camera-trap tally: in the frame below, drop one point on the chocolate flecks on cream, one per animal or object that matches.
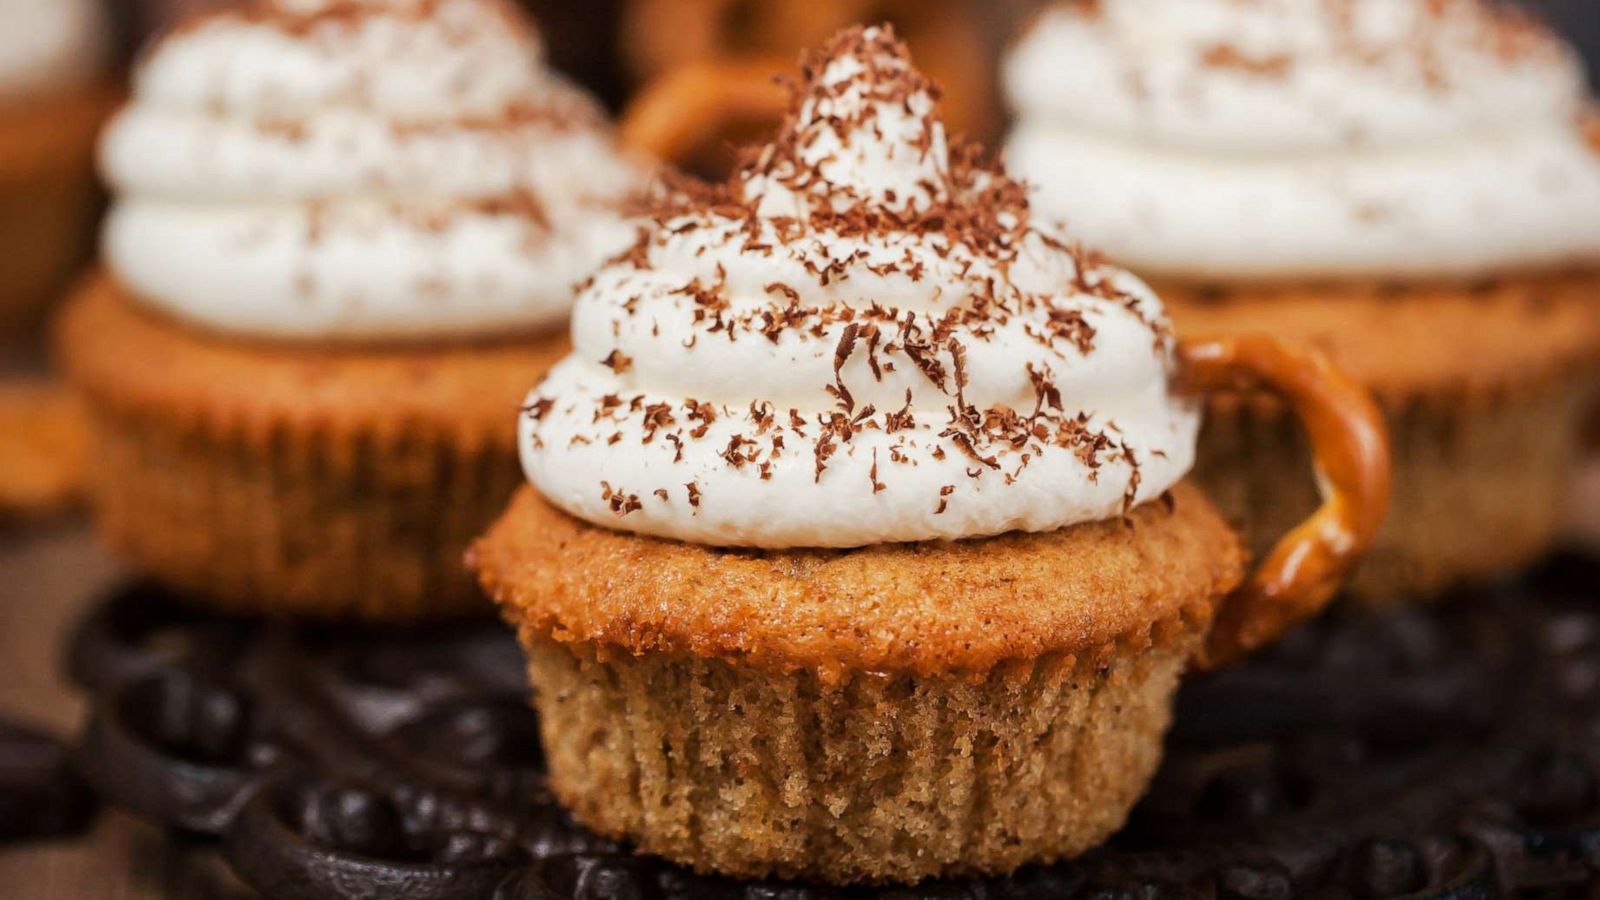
(303, 19)
(418, 154)
(620, 502)
(1228, 56)
(1307, 139)
(884, 341)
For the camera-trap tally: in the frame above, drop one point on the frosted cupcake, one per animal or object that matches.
(53, 96)
(1411, 185)
(344, 238)
(856, 547)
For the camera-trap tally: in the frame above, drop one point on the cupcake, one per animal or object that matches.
(344, 238)
(857, 547)
(1411, 185)
(53, 96)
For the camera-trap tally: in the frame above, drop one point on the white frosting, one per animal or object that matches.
(709, 361)
(1244, 138)
(48, 45)
(407, 169)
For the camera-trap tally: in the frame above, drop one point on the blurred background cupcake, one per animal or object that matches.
(54, 92)
(1413, 186)
(601, 44)
(344, 237)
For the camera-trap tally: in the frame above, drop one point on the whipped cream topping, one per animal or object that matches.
(863, 337)
(50, 45)
(1242, 138)
(361, 169)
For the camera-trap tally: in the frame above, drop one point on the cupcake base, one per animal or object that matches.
(878, 779)
(886, 714)
(1484, 385)
(321, 482)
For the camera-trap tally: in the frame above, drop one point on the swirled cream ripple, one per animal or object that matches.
(865, 336)
(1308, 138)
(361, 169)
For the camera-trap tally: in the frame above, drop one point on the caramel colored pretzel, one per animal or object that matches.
(1350, 445)
(671, 118)
(662, 36)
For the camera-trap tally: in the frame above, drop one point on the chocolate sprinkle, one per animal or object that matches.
(966, 212)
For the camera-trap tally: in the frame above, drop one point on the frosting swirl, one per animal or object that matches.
(1296, 138)
(363, 169)
(863, 337)
(47, 45)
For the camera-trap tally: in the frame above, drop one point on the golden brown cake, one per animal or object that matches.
(990, 703)
(1412, 186)
(311, 481)
(52, 102)
(857, 547)
(304, 357)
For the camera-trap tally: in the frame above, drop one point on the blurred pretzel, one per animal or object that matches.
(946, 36)
(671, 118)
(1350, 445)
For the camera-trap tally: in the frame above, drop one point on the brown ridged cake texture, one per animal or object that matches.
(285, 480)
(887, 714)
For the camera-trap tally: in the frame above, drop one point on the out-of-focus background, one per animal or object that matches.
(612, 47)
(611, 44)
(1581, 20)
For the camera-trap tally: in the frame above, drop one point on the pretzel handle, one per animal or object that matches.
(671, 117)
(1350, 445)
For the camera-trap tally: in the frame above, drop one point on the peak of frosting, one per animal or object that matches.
(360, 169)
(863, 150)
(862, 336)
(1307, 137)
(862, 131)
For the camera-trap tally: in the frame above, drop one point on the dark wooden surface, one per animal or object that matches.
(48, 574)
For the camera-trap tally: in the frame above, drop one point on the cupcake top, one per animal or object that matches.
(360, 169)
(49, 45)
(1308, 137)
(864, 336)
